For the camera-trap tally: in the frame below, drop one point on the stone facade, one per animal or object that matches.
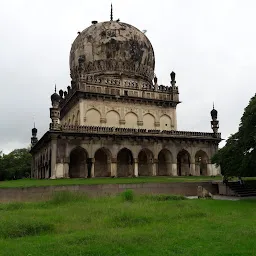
(114, 121)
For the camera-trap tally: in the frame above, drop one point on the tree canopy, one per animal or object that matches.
(238, 156)
(15, 165)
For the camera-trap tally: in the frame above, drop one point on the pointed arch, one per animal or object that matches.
(125, 163)
(93, 116)
(102, 166)
(183, 163)
(165, 160)
(165, 122)
(78, 163)
(149, 121)
(145, 162)
(113, 118)
(131, 120)
(201, 162)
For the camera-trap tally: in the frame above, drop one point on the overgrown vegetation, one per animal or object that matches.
(15, 165)
(238, 156)
(74, 224)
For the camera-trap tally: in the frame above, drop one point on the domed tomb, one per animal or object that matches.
(112, 48)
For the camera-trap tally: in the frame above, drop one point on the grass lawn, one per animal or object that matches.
(38, 183)
(74, 225)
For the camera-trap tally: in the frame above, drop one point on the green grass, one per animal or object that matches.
(58, 182)
(73, 225)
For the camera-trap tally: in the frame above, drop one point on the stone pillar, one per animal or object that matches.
(174, 171)
(81, 110)
(66, 168)
(92, 168)
(192, 169)
(136, 167)
(154, 167)
(113, 167)
(53, 156)
(209, 170)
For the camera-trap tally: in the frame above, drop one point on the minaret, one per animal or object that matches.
(214, 122)
(34, 139)
(55, 112)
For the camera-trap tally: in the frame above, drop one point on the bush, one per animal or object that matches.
(128, 195)
(21, 228)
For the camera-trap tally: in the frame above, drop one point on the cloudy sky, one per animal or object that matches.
(210, 44)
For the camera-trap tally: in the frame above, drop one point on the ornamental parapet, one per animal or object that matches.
(128, 131)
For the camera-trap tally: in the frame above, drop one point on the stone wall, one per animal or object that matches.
(44, 193)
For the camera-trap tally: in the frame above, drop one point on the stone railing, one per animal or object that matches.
(116, 130)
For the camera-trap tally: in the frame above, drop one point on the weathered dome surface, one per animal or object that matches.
(112, 48)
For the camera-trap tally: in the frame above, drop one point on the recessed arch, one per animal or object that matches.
(183, 163)
(113, 118)
(125, 163)
(149, 121)
(131, 120)
(201, 161)
(102, 165)
(145, 162)
(165, 122)
(93, 117)
(78, 166)
(165, 160)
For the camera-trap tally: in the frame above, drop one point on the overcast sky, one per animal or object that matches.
(210, 44)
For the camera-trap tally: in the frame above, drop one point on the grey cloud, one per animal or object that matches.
(209, 44)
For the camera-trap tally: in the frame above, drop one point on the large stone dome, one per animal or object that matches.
(112, 48)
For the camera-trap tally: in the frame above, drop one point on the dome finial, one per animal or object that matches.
(111, 13)
(213, 105)
(55, 88)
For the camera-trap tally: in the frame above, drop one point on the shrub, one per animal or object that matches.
(13, 229)
(128, 195)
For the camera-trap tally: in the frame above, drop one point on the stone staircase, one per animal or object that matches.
(242, 190)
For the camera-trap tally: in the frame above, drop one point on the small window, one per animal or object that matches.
(125, 93)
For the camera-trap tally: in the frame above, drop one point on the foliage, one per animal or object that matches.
(108, 226)
(238, 156)
(15, 165)
(128, 195)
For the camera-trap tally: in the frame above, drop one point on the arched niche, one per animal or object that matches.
(78, 166)
(102, 164)
(145, 162)
(149, 121)
(165, 122)
(113, 118)
(183, 163)
(165, 161)
(93, 117)
(201, 161)
(131, 120)
(125, 163)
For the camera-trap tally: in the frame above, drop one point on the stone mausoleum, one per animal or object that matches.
(115, 120)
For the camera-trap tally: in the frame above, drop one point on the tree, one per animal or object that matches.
(15, 165)
(238, 156)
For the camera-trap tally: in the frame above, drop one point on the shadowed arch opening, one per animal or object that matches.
(183, 163)
(125, 163)
(201, 161)
(145, 162)
(78, 166)
(102, 166)
(165, 163)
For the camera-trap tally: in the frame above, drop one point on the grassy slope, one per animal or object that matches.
(37, 183)
(72, 226)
